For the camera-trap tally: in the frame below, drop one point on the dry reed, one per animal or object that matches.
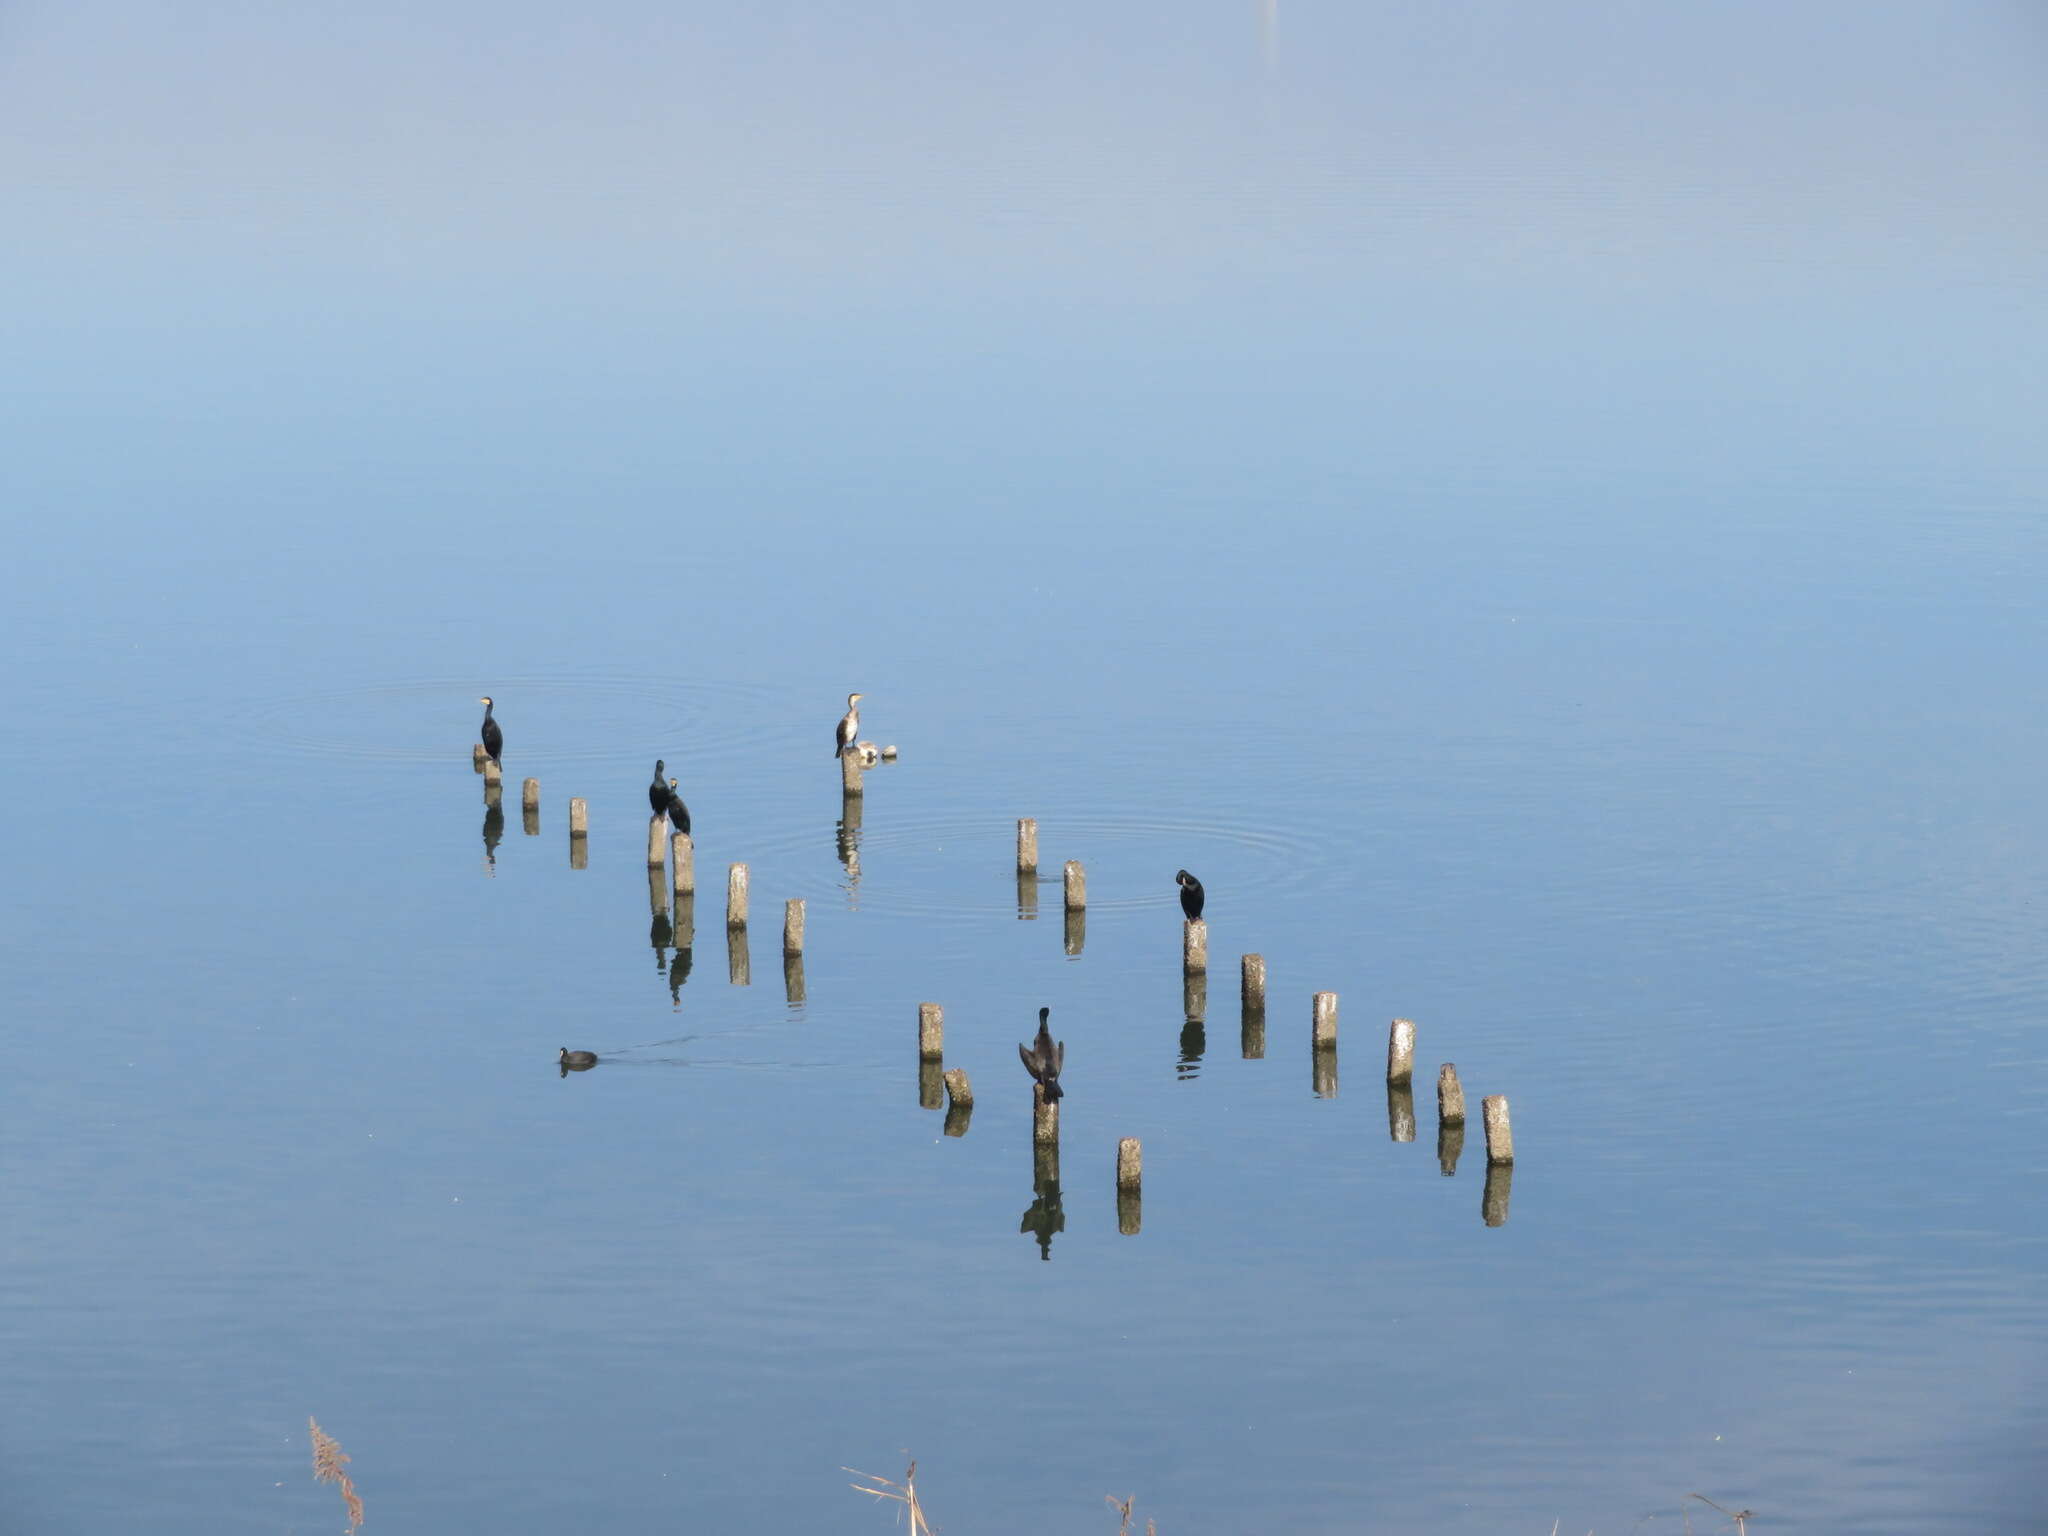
(904, 1493)
(330, 1465)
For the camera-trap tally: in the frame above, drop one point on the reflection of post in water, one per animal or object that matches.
(679, 968)
(847, 837)
(959, 1102)
(661, 932)
(1194, 1035)
(739, 963)
(1323, 1042)
(793, 952)
(793, 979)
(1450, 1145)
(1045, 1216)
(529, 807)
(1450, 1119)
(1400, 1112)
(494, 827)
(1077, 929)
(1493, 1200)
(1252, 1029)
(931, 1083)
(931, 1054)
(579, 835)
(1027, 895)
(1130, 1199)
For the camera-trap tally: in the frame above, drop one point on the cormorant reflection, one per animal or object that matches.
(846, 843)
(494, 828)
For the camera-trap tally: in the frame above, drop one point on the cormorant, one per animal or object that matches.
(1043, 1060)
(657, 792)
(494, 739)
(849, 727)
(1190, 894)
(578, 1061)
(678, 813)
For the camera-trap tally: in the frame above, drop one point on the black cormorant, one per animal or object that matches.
(578, 1061)
(678, 813)
(850, 726)
(1190, 894)
(657, 792)
(494, 739)
(1043, 1060)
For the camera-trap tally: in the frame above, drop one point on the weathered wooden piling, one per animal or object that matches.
(1077, 885)
(494, 772)
(1500, 1137)
(1076, 931)
(1450, 1145)
(849, 771)
(657, 842)
(1194, 946)
(1252, 999)
(1324, 1027)
(1493, 1199)
(1130, 1163)
(1045, 1118)
(793, 927)
(579, 819)
(736, 896)
(739, 959)
(1450, 1095)
(959, 1102)
(478, 756)
(1401, 1051)
(1027, 846)
(1130, 1194)
(684, 861)
(1400, 1112)
(931, 1031)
(529, 795)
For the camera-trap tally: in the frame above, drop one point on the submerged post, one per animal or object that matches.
(529, 795)
(685, 864)
(1401, 1051)
(1500, 1138)
(1194, 946)
(1450, 1096)
(657, 842)
(931, 1031)
(1077, 885)
(793, 927)
(736, 896)
(1027, 846)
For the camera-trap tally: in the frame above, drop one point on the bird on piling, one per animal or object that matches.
(849, 727)
(494, 739)
(1190, 895)
(1043, 1060)
(678, 813)
(657, 792)
(577, 1061)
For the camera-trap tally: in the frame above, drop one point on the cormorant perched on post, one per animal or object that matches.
(1043, 1060)
(577, 1061)
(678, 813)
(1190, 894)
(849, 727)
(494, 739)
(657, 792)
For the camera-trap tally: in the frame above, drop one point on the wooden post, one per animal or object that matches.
(685, 864)
(931, 1031)
(1325, 1025)
(1077, 885)
(736, 896)
(1045, 1118)
(1252, 990)
(657, 842)
(494, 772)
(1130, 1194)
(1401, 1051)
(849, 771)
(1500, 1138)
(1027, 846)
(959, 1102)
(478, 756)
(793, 927)
(1400, 1112)
(1450, 1096)
(579, 819)
(529, 795)
(1130, 1163)
(1194, 946)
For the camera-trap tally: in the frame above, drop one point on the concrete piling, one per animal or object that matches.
(959, 1102)
(736, 896)
(657, 842)
(478, 756)
(849, 771)
(1401, 1051)
(931, 1032)
(793, 927)
(1324, 1028)
(1500, 1137)
(1130, 1194)
(1194, 946)
(1027, 846)
(529, 795)
(684, 863)
(579, 819)
(1252, 992)
(1077, 885)
(494, 772)
(1450, 1096)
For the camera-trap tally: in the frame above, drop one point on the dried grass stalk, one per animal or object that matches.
(330, 1465)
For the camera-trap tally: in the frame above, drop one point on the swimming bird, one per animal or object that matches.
(678, 813)
(1043, 1060)
(578, 1061)
(850, 726)
(657, 792)
(494, 739)
(1190, 894)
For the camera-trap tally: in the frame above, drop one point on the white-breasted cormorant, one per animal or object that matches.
(494, 739)
(678, 813)
(1043, 1060)
(849, 727)
(1190, 894)
(657, 792)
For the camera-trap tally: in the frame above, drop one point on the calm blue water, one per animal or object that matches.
(1545, 519)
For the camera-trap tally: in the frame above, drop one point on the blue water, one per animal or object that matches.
(1546, 522)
